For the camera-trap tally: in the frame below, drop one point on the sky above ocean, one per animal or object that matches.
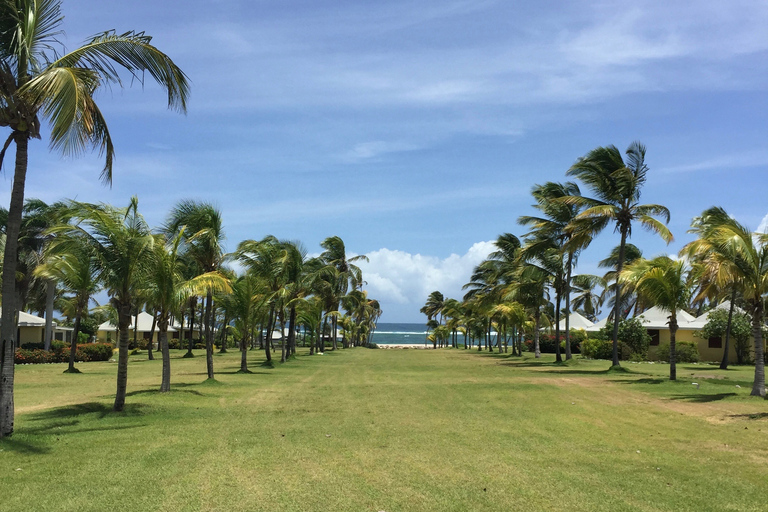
(415, 130)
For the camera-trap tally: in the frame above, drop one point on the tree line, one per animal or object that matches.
(531, 282)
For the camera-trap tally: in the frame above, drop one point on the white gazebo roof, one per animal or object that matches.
(576, 321)
(27, 320)
(144, 324)
(657, 318)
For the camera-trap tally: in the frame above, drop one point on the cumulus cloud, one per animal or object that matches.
(763, 227)
(401, 281)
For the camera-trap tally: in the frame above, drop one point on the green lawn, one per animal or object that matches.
(387, 430)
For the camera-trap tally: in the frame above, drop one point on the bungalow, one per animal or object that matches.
(656, 321)
(108, 331)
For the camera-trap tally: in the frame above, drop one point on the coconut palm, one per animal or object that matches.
(167, 290)
(552, 230)
(745, 255)
(203, 243)
(38, 82)
(617, 185)
(73, 267)
(716, 273)
(662, 282)
(123, 249)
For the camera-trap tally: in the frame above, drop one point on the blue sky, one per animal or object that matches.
(415, 130)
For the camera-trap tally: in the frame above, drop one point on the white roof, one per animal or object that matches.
(27, 320)
(576, 321)
(657, 318)
(144, 323)
(597, 325)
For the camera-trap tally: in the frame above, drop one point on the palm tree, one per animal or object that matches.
(745, 255)
(616, 185)
(167, 290)
(587, 301)
(662, 282)
(347, 273)
(716, 273)
(72, 265)
(37, 82)
(123, 249)
(552, 231)
(203, 242)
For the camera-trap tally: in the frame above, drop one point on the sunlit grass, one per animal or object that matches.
(388, 430)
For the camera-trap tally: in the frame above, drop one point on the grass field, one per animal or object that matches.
(387, 430)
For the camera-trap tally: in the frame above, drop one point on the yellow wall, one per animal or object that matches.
(705, 353)
(31, 335)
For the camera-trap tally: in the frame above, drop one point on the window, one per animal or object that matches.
(175, 335)
(654, 334)
(715, 342)
(58, 336)
(146, 335)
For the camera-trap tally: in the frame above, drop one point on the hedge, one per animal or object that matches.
(85, 353)
(685, 352)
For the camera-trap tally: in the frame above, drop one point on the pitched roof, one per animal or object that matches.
(27, 320)
(576, 321)
(144, 323)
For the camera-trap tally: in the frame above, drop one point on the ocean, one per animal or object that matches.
(399, 334)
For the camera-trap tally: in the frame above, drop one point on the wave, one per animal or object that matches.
(398, 332)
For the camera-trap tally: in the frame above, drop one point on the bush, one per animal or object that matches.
(84, 353)
(547, 342)
(685, 352)
(174, 344)
(597, 348)
(95, 351)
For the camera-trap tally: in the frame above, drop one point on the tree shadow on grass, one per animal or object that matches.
(647, 380)
(703, 398)
(751, 416)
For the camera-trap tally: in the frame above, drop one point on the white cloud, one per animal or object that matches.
(401, 281)
(763, 227)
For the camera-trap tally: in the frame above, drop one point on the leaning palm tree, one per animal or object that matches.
(347, 273)
(37, 82)
(123, 248)
(616, 185)
(662, 282)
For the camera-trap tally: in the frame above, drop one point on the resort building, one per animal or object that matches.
(108, 331)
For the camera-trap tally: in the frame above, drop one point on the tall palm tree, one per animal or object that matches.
(616, 185)
(167, 289)
(747, 261)
(36, 81)
(123, 248)
(716, 273)
(203, 242)
(551, 230)
(662, 282)
(347, 273)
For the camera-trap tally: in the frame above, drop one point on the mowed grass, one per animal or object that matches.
(387, 430)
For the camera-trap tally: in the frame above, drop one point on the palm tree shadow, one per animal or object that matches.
(702, 398)
(751, 416)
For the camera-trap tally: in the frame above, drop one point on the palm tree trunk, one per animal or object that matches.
(617, 304)
(124, 320)
(208, 334)
(50, 294)
(191, 344)
(8, 328)
(724, 362)
(758, 387)
(269, 333)
(334, 323)
(243, 355)
(558, 357)
(136, 330)
(536, 327)
(165, 383)
(569, 271)
(292, 331)
(223, 336)
(150, 344)
(73, 345)
(672, 346)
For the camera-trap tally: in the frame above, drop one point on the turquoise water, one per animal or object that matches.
(398, 334)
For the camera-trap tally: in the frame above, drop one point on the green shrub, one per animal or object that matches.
(32, 346)
(174, 344)
(632, 333)
(595, 348)
(685, 351)
(547, 342)
(95, 351)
